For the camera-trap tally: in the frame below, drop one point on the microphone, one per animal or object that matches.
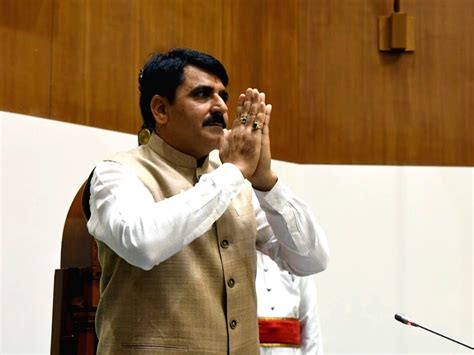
(401, 318)
(405, 320)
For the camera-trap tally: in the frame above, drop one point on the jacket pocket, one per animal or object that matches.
(140, 346)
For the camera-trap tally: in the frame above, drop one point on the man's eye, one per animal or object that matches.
(201, 94)
(224, 96)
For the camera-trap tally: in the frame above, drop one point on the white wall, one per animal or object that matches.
(401, 241)
(400, 238)
(43, 164)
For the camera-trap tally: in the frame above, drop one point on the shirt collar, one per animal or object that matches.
(172, 155)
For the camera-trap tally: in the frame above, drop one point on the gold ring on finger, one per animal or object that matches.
(257, 125)
(243, 119)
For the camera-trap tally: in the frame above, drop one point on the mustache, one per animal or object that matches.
(215, 119)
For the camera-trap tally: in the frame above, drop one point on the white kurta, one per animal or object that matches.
(282, 294)
(145, 233)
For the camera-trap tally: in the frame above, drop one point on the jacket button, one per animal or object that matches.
(233, 323)
(225, 243)
(231, 282)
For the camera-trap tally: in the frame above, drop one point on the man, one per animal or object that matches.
(287, 311)
(177, 231)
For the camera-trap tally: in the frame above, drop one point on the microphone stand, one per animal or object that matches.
(401, 318)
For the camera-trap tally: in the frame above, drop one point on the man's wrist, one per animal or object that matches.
(266, 183)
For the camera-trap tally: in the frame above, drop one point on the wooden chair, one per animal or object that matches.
(76, 287)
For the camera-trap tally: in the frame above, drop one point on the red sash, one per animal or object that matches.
(279, 332)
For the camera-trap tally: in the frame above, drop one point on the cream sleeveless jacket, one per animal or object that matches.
(201, 300)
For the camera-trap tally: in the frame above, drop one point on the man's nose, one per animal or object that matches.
(219, 105)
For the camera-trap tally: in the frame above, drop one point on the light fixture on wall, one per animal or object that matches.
(397, 31)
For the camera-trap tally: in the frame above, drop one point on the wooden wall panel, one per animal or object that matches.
(336, 98)
(94, 61)
(335, 120)
(166, 24)
(261, 51)
(100, 45)
(25, 56)
(372, 107)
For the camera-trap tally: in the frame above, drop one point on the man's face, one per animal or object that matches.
(198, 116)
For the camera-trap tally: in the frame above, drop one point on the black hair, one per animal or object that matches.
(164, 72)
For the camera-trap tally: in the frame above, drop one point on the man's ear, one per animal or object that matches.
(159, 109)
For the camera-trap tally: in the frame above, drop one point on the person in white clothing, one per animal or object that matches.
(177, 229)
(287, 311)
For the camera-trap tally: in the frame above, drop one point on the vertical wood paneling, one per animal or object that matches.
(261, 51)
(336, 98)
(100, 45)
(369, 107)
(94, 59)
(25, 56)
(166, 24)
(333, 114)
